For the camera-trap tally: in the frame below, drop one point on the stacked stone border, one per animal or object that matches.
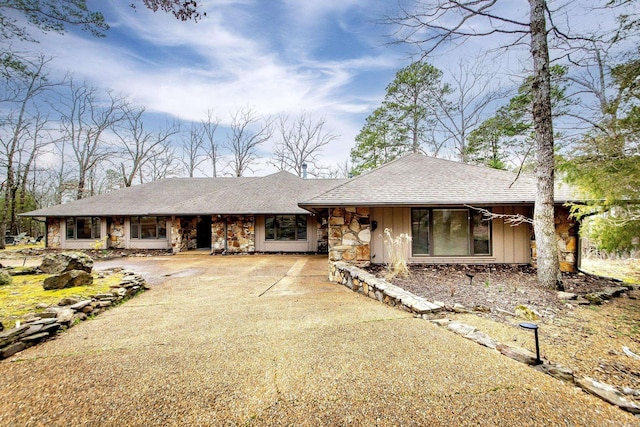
(69, 312)
(367, 284)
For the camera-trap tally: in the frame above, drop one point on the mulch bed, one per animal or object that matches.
(492, 286)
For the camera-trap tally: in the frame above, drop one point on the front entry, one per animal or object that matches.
(204, 232)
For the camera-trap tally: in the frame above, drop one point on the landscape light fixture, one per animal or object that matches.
(534, 327)
(471, 276)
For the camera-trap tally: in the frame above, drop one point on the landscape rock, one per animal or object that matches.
(5, 278)
(80, 305)
(67, 301)
(566, 295)
(68, 279)
(32, 339)
(21, 271)
(66, 261)
(555, 371)
(459, 308)
(12, 349)
(582, 301)
(611, 292)
(608, 393)
(440, 322)
(482, 309)
(593, 298)
(482, 339)
(517, 353)
(526, 312)
(65, 315)
(461, 328)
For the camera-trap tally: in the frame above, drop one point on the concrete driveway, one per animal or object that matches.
(266, 340)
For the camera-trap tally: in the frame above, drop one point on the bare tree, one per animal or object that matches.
(472, 91)
(301, 141)
(434, 24)
(247, 133)
(342, 170)
(192, 146)
(161, 163)
(137, 143)
(212, 150)
(22, 133)
(84, 119)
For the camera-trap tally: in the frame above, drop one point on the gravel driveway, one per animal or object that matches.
(266, 340)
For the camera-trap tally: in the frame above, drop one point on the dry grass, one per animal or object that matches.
(627, 270)
(397, 248)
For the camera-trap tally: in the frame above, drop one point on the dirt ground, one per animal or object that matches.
(589, 339)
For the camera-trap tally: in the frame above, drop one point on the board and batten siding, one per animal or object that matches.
(308, 245)
(510, 245)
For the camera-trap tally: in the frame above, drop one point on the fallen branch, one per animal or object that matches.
(513, 219)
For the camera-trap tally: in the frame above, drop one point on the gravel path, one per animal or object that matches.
(203, 348)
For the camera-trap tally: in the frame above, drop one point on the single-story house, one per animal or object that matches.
(230, 215)
(437, 202)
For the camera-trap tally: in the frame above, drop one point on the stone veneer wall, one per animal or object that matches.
(240, 234)
(54, 236)
(567, 234)
(116, 233)
(322, 224)
(567, 230)
(184, 234)
(350, 235)
(176, 235)
(218, 234)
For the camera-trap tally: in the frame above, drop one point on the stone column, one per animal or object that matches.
(350, 235)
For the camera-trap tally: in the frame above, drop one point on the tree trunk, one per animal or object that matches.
(543, 215)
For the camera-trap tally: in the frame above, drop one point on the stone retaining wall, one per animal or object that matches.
(367, 284)
(46, 325)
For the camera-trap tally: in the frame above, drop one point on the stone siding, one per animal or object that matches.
(176, 235)
(116, 232)
(240, 236)
(54, 233)
(184, 234)
(322, 224)
(217, 234)
(567, 230)
(350, 235)
(567, 234)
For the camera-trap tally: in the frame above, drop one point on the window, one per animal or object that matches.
(83, 227)
(285, 227)
(420, 231)
(449, 232)
(148, 227)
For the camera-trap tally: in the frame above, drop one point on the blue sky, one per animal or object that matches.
(329, 57)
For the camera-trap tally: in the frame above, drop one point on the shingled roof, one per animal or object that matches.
(416, 179)
(276, 193)
(413, 180)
